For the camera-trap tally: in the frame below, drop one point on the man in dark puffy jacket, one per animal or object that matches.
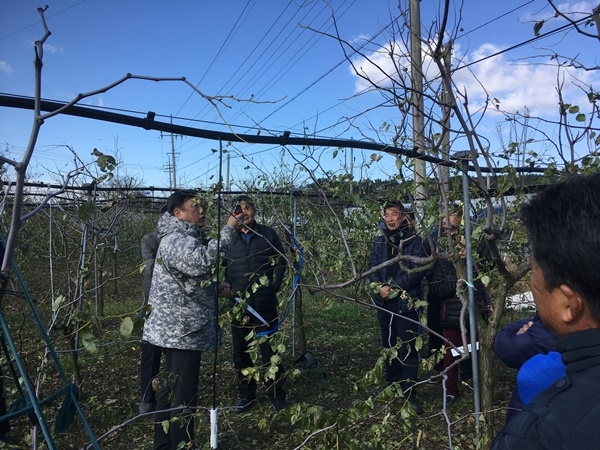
(443, 289)
(562, 222)
(398, 287)
(254, 267)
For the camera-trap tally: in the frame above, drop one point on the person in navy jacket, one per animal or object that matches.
(398, 286)
(564, 236)
(518, 342)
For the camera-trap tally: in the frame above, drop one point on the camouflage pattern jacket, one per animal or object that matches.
(183, 300)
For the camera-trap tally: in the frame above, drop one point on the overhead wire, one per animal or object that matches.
(292, 63)
(541, 36)
(277, 54)
(494, 19)
(39, 21)
(260, 74)
(528, 41)
(242, 65)
(218, 54)
(246, 70)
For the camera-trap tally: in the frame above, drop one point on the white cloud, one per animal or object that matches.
(519, 84)
(516, 84)
(5, 67)
(49, 48)
(53, 49)
(378, 65)
(573, 10)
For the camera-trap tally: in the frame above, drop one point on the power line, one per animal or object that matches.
(218, 54)
(39, 21)
(528, 41)
(494, 19)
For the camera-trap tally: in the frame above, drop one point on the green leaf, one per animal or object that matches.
(165, 426)
(106, 163)
(85, 211)
(574, 109)
(537, 27)
(398, 164)
(580, 117)
(335, 153)
(126, 327)
(87, 340)
(484, 279)
(57, 302)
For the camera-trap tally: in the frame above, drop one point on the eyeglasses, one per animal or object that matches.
(391, 214)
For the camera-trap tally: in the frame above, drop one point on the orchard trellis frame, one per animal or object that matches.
(149, 123)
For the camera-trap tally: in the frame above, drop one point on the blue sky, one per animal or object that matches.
(260, 49)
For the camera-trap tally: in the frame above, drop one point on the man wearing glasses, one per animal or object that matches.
(397, 287)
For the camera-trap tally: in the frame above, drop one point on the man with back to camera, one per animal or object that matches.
(150, 363)
(183, 319)
(257, 253)
(563, 224)
(398, 290)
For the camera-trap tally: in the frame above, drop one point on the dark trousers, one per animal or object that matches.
(453, 335)
(436, 343)
(395, 329)
(149, 368)
(241, 359)
(179, 386)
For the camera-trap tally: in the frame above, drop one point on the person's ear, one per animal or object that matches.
(574, 309)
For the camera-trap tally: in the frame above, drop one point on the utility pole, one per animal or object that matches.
(227, 178)
(416, 76)
(444, 170)
(173, 158)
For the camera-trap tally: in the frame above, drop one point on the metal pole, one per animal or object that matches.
(295, 219)
(173, 158)
(471, 290)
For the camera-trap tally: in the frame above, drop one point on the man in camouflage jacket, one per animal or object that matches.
(183, 320)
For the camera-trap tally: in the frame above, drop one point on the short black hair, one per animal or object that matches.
(163, 209)
(563, 223)
(178, 198)
(242, 198)
(393, 204)
(398, 204)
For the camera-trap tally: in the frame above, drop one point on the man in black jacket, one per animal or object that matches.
(563, 223)
(399, 286)
(255, 267)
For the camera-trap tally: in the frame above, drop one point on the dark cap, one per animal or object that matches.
(397, 204)
(178, 198)
(242, 199)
